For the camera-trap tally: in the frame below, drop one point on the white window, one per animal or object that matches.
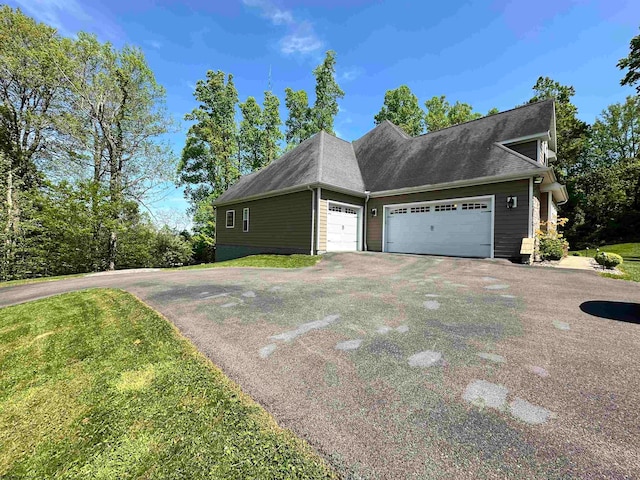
(231, 218)
(446, 207)
(245, 219)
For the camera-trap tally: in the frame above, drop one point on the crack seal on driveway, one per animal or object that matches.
(431, 305)
(486, 394)
(305, 328)
(425, 359)
(497, 287)
(349, 345)
(267, 350)
(528, 412)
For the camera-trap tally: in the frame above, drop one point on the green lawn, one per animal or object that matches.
(630, 253)
(97, 385)
(24, 281)
(264, 261)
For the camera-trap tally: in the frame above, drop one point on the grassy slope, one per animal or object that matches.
(265, 261)
(97, 385)
(630, 253)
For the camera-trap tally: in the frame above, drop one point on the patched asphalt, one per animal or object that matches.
(398, 366)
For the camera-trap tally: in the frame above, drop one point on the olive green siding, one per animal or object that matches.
(528, 149)
(341, 197)
(510, 225)
(280, 224)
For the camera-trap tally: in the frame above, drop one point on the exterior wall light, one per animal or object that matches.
(512, 202)
(374, 212)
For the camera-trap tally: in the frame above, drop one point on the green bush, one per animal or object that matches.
(609, 260)
(552, 248)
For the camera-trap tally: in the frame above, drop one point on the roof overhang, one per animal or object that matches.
(460, 183)
(558, 190)
(294, 189)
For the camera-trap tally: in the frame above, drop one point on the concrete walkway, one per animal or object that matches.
(576, 263)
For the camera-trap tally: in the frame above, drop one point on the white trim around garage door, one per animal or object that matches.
(444, 200)
(360, 219)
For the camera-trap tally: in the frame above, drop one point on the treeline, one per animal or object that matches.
(81, 150)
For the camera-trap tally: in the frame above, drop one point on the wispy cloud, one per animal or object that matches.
(301, 37)
(69, 16)
(350, 74)
(154, 44)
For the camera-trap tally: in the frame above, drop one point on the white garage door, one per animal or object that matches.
(342, 228)
(456, 228)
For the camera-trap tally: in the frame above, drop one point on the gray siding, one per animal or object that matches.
(280, 224)
(528, 149)
(510, 227)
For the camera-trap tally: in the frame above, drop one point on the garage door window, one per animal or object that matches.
(423, 209)
(398, 211)
(474, 206)
(350, 211)
(448, 207)
(335, 208)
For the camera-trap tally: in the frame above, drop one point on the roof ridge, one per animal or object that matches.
(398, 129)
(320, 155)
(486, 116)
(519, 155)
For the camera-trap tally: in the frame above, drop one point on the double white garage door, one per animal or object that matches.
(461, 228)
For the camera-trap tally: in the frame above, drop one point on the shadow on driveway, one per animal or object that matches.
(621, 311)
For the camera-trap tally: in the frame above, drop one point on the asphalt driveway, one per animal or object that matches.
(401, 366)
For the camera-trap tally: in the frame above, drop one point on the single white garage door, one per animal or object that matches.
(342, 228)
(455, 228)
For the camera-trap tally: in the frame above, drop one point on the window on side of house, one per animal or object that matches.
(231, 218)
(245, 219)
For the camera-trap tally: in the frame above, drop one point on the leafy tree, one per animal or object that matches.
(401, 107)
(170, 249)
(210, 163)
(493, 111)
(120, 93)
(631, 63)
(299, 123)
(272, 123)
(328, 92)
(441, 114)
(571, 131)
(251, 137)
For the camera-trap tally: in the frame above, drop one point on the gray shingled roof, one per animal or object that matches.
(386, 158)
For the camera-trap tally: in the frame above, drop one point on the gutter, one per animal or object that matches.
(364, 221)
(313, 216)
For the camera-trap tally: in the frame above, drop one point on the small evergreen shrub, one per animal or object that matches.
(608, 260)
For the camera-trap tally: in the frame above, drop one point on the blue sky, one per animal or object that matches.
(486, 53)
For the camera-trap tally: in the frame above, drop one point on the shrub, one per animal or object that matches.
(608, 260)
(551, 248)
(551, 244)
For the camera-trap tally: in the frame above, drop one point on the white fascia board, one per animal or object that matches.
(459, 184)
(534, 136)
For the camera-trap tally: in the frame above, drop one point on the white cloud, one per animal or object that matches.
(350, 74)
(154, 44)
(301, 37)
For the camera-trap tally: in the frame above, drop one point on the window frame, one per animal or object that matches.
(245, 227)
(233, 219)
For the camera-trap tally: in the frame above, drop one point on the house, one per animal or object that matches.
(472, 190)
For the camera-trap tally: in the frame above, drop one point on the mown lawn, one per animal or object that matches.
(630, 253)
(264, 261)
(12, 283)
(95, 384)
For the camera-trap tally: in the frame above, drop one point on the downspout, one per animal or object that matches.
(313, 216)
(318, 219)
(364, 227)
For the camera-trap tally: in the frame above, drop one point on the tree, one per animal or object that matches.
(401, 107)
(632, 64)
(441, 114)
(251, 138)
(299, 123)
(328, 92)
(572, 132)
(210, 163)
(272, 123)
(118, 91)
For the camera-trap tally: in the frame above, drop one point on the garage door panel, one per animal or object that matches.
(342, 228)
(440, 229)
